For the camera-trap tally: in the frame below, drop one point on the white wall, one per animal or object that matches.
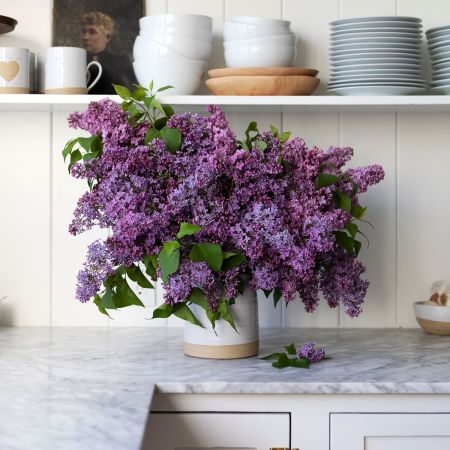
(408, 248)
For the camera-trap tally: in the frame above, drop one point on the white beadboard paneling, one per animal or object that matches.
(68, 252)
(310, 23)
(321, 130)
(155, 7)
(260, 8)
(25, 220)
(423, 212)
(214, 9)
(363, 8)
(376, 147)
(34, 24)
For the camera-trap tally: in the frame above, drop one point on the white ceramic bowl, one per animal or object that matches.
(201, 34)
(262, 22)
(285, 39)
(144, 48)
(434, 319)
(184, 75)
(242, 31)
(261, 56)
(184, 47)
(176, 20)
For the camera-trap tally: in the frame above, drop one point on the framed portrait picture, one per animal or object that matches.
(107, 30)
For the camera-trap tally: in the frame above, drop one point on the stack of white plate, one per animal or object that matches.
(439, 48)
(376, 56)
(173, 49)
(259, 42)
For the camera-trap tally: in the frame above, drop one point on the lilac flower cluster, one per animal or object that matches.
(262, 202)
(310, 352)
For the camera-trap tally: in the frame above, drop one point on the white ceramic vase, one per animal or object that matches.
(225, 343)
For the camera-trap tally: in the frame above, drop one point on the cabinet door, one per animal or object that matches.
(202, 431)
(389, 431)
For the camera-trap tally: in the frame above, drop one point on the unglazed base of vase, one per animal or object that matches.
(234, 351)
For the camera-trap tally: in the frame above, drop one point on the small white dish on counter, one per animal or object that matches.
(433, 318)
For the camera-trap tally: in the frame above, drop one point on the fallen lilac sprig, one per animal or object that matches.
(302, 357)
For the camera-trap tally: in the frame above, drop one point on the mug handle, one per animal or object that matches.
(100, 70)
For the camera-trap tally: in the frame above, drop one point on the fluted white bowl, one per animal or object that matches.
(261, 21)
(183, 74)
(201, 34)
(261, 56)
(242, 31)
(176, 20)
(285, 39)
(176, 47)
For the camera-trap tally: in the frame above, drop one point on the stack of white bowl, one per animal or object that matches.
(376, 56)
(439, 49)
(259, 42)
(173, 49)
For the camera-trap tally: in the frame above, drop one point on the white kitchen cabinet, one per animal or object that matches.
(387, 431)
(206, 430)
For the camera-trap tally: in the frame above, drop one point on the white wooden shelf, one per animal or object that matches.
(418, 103)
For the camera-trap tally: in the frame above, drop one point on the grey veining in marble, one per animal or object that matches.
(91, 388)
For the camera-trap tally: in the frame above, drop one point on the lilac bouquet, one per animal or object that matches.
(185, 201)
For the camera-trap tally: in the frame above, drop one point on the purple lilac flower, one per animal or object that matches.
(263, 204)
(310, 352)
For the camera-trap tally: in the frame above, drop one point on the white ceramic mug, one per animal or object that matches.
(14, 70)
(66, 71)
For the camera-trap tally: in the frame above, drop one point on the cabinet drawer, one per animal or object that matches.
(389, 431)
(205, 430)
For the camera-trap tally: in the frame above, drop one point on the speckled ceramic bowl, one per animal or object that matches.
(434, 319)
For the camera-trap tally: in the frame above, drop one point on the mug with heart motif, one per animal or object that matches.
(67, 72)
(14, 70)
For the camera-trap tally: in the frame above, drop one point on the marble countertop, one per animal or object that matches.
(91, 388)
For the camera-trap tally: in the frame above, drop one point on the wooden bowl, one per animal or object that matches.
(433, 318)
(263, 85)
(256, 71)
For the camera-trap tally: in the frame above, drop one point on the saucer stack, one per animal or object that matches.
(439, 49)
(376, 56)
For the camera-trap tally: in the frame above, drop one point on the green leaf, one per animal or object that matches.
(272, 356)
(124, 296)
(168, 110)
(262, 145)
(358, 211)
(182, 311)
(164, 88)
(151, 264)
(157, 105)
(282, 362)
(225, 313)
(136, 275)
(284, 137)
(139, 93)
(150, 86)
(75, 156)
(199, 298)
(276, 296)
(100, 308)
(342, 201)
(267, 292)
(68, 148)
(352, 229)
(252, 128)
(150, 135)
(274, 130)
(172, 138)
(345, 241)
(210, 253)
(105, 301)
(301, 363)
(188, 229)
(169, 259)
(122, 91)
(163, 311)
(325, 180)
(148, 101)
(233, 261)
(160, 123)
(291, 349)
(133, 111)
(357, 247)
(213, 316)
